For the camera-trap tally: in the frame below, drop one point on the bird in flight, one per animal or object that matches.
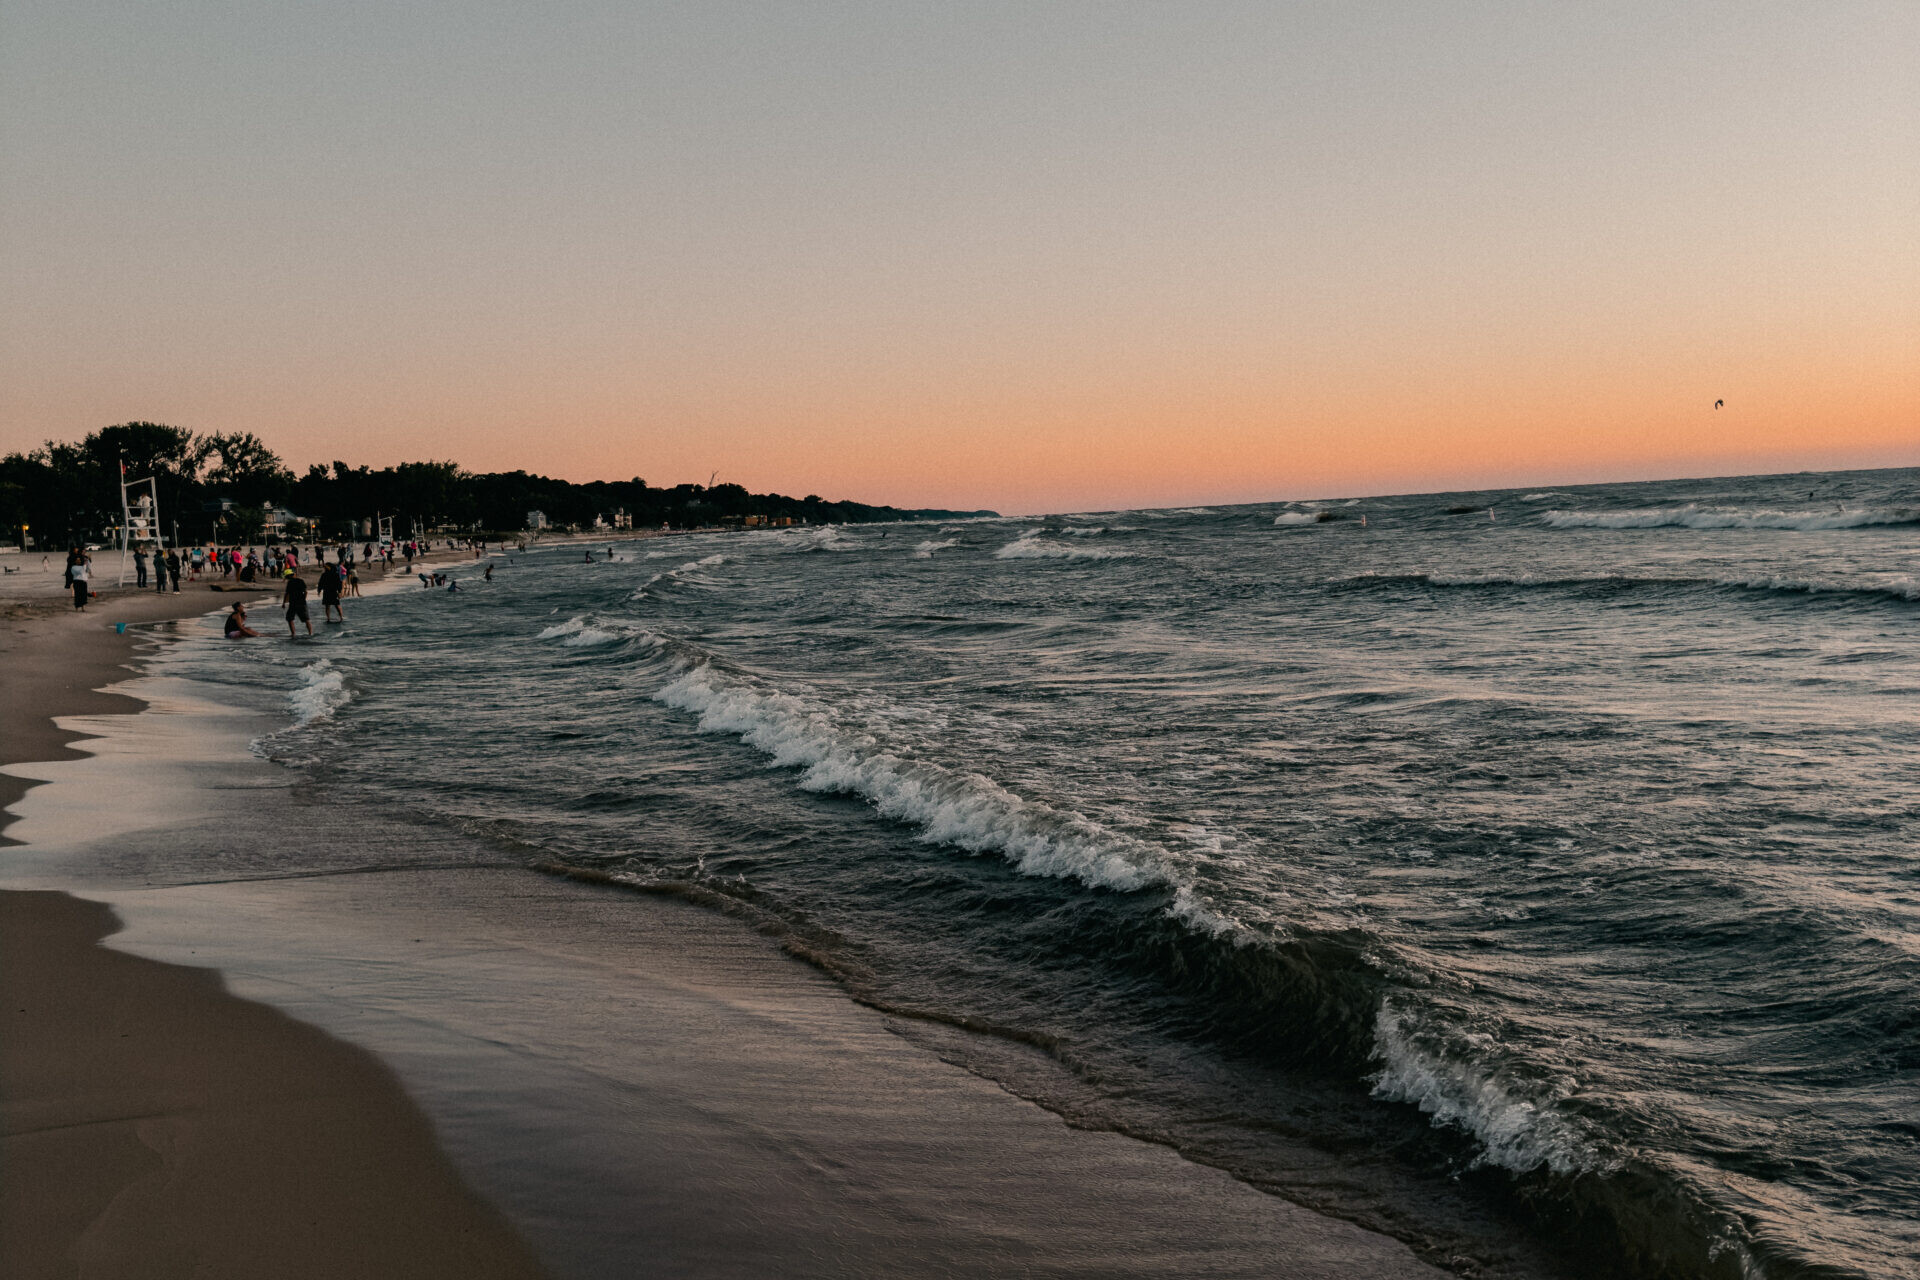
(1718, 403)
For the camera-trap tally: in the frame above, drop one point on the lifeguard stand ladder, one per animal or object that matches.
(139, 515)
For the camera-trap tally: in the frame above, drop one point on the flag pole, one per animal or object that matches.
(126, 522)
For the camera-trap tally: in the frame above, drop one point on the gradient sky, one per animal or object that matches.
(1031, 256)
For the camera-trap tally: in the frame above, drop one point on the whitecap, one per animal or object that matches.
(965, 810)
(322, 691)
(1693, 516)
(1032, 546)
(1514, 1132)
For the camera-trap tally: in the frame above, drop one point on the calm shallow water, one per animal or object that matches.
(1540, 888)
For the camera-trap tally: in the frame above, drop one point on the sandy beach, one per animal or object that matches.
(248, 1035)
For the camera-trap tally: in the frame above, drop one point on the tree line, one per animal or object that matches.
(224, 487)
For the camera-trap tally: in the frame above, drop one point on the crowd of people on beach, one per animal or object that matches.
(338, 578)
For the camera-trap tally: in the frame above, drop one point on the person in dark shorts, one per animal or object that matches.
(173, 570)
(330, 593)
(237, 627)
(295, 599)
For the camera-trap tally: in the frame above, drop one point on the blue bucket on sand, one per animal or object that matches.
(120, 628)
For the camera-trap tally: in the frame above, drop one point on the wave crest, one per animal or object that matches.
(1032, 546)
(322, 691)
(1514, 1132)
(964, 810)
(1693, 516)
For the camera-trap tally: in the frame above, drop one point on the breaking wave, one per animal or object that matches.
(321, 692)
(1904, 589)
(1032, 546)
(1513, 1131)
(578, 632)
(674, 574)
(1693, 516)
(964, 810)
(926, 549)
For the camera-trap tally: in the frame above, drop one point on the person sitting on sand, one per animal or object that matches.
(237, 622)
(295, 598)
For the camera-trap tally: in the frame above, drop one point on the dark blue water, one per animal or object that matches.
(1540, 886)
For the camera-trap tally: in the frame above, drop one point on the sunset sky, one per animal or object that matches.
(1021, 255)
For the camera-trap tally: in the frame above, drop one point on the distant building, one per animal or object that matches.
(280, 523)
(537, 520)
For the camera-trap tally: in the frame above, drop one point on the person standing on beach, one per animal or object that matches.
(353, 586)
(173, 569)
(140, 568)
(330, 593)
(79, 573)
(295, 599)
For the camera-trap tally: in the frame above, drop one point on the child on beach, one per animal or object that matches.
(237, 623)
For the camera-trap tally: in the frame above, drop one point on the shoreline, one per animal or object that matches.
(151, 1123)
(779, 1125)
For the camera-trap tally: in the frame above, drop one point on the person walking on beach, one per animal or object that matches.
(295, 599)
(237, 623)
(173, 569)
(330, 593)
(79, 575)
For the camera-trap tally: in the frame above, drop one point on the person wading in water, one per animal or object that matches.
(295, 600)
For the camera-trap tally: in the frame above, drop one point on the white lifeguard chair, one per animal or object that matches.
(139, 515)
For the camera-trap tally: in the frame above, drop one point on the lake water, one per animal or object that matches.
(1531, 875)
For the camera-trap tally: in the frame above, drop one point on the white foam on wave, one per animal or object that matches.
(1083, 532)
(1297, 517)
(1189, 910)
(1693, 516)
(1032, 546)
(578, 632)
(926, 549)
(964, 810)
(321, 692)
(1514, 1132)
(827, 537)
(1541, 497)
(1893, 588)
(675, 574)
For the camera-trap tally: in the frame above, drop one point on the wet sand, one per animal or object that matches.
(637, 1086)
(152, 1125)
